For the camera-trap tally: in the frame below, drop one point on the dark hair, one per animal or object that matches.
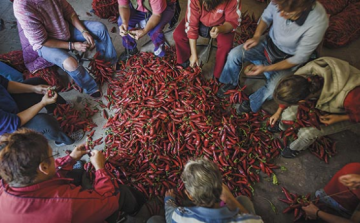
(295, 5)
(21, 155)
(211, 4)
(290, 90)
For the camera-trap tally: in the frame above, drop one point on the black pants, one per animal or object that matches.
(42, 123)
(130, 202)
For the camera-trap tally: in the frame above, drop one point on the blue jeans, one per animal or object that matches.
(10, 73)
(255, 55)
(156, 34)
(80, 75)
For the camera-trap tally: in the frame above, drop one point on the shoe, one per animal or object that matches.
(96, 94)
(275, 128)
(76, 136)
(184, 65)
(127, 54)
(288, 153)
(243, 108)
(160, 51)
(223, 89)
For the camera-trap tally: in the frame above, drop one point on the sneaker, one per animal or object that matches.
(76, 136)
(160, 51)
(128, 53)
(275, 128)
(223, 89)
(289, 153)
(244, 107)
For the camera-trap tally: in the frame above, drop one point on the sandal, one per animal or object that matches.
(288, 153)
(96, 94)
(223, 89)
(275, 128)
(244, 107)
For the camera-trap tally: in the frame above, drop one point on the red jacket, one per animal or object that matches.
(228, 11)
(57, 200)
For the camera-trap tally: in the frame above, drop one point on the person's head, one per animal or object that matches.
(292, 89)
(211, 4)
(292, 9)
(26, 158)
(203, 183)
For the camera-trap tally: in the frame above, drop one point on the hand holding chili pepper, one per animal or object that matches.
(123, 29)
(97, 159)
(40, 89)
(351, 181)
(310, 211)
(81, 47)
(250, 43)
(79, 152)
(89, 39)
(257, 70)
(331, 119)
(47, 100)
(138, 34)
(273, 119)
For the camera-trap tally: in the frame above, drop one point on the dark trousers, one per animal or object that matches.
(130, 202)
(42, 123)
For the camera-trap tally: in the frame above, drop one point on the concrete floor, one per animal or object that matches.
(303, 175)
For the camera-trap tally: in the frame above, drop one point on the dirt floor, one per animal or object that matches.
(303, 175)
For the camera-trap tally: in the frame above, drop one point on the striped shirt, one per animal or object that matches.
(43, 19)
(176, 214)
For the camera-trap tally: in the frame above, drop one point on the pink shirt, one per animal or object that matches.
(43, 19)
(157, 6)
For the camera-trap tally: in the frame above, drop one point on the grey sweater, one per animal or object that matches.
(288, 36)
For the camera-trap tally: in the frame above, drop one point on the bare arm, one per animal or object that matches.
(231, 201)
(18, 88)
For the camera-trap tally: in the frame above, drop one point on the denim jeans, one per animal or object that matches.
(156, 34)
(10, 73)
(80, 75)
(255, 55)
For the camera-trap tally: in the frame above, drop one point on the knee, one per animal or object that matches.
(235, 54)
(178, 34)
(99, 29)
(70, 64)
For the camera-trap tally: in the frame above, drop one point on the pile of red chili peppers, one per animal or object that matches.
(165, 116)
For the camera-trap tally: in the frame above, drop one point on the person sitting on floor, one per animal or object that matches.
(52, 28)
(152, 16)
(342, 195)
(204, 187)
(20, 104)
(33, 187)
(210, 19)
(297, 27)
(335, 85)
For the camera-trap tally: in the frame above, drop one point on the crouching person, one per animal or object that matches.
(204, 187)
(33, 187)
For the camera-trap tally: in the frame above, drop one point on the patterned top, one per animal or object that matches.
(173, 213)
(43, 19)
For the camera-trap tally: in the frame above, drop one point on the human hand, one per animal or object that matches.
(273, 119)
(47, 100)
(214, 32)
(89, 39)
(194, 60)
(138, 33)
(41, 88)
(226, 194)
(310, 211)
(79, 152)
(81, 47)
(123, 30)
(351, 181)
(97, 159)
(330, 119)
(256, 70)
(250, 43)
(170, 193)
